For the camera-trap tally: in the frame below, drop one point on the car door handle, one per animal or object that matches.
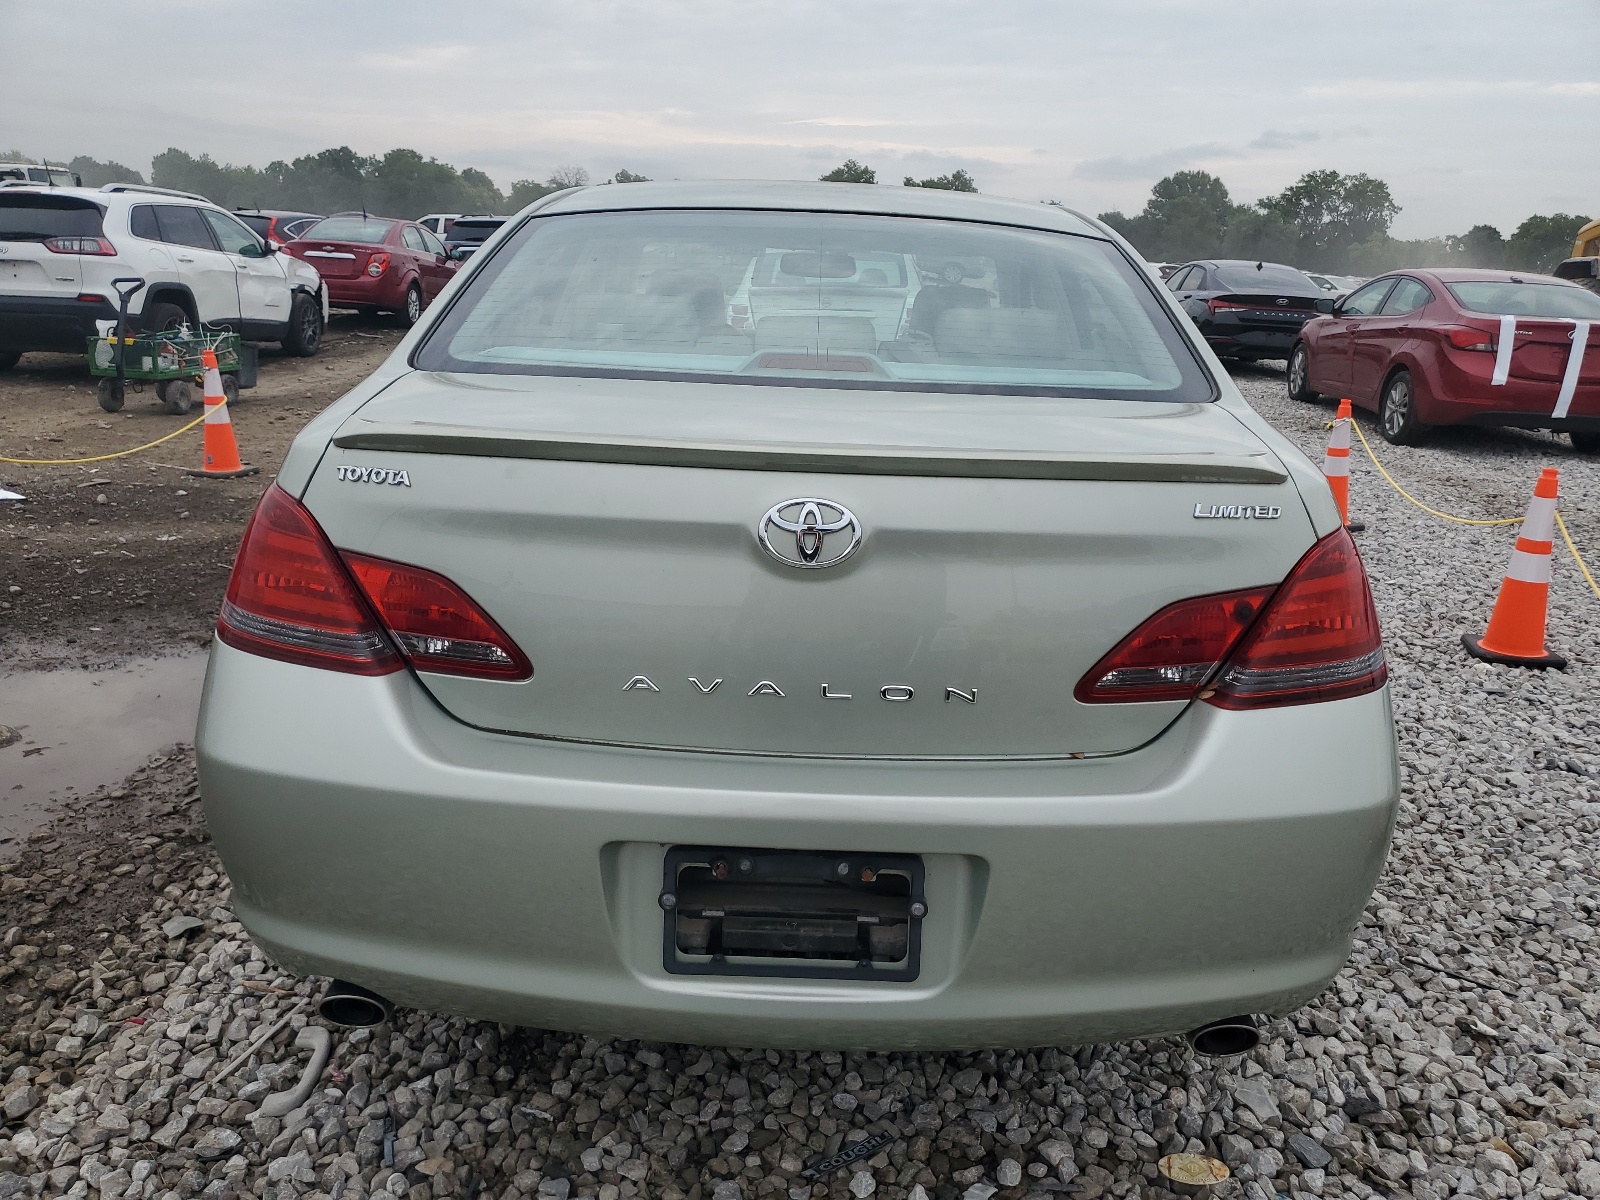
(240, 267)
(181, 258)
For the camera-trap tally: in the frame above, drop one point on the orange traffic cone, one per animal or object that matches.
(1515, 635)
(1336, 464)
(221, 450)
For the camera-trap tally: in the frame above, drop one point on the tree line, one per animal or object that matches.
(401, 183)
(1325, 221)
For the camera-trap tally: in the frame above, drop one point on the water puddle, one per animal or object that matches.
(82, 729)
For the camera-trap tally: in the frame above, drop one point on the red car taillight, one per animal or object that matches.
(377, 265)
(1172, 654)
(1218, 305)
(1464, 337)
(289, 597)
(292, 597)
(1316, 638)
(437, 625)
(80, 245)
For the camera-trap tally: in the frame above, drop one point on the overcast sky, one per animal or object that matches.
(1472, 111)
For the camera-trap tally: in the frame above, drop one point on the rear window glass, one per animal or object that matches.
(1269, 278)
(350, 229)
(1527, 299)
(262, 225)
(473, 231)
(823, 300)
(25, 218)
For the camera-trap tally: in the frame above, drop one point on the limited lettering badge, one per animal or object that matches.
(373, 475)
(1237, 512)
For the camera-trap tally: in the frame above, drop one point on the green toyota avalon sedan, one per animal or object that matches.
(802, 615)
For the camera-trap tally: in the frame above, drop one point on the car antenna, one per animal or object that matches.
(1259, 266)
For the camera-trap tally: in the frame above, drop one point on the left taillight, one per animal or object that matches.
(80, 245)
(1171, 655)
(377, 265)
(293, 597)
(290, 597)
(1465, 337)
(437, 625)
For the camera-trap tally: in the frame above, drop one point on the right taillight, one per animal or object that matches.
(377, 265)
(290, 598)
(1313, 637)
(1318, 638)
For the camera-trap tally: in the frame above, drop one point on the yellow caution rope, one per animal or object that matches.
(66, 462)
(1367, 446)
(1565, 536)
(1576, 557)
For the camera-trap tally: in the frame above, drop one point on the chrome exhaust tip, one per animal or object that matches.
(353, 1006)
(1225, 1038)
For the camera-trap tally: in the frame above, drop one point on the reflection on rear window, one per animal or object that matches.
(26, 218)
(1527, 299)
(827, 300)
(350, 229)
(473, 231)
(1270, 278)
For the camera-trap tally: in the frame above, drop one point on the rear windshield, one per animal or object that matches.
(815, 299)
(262, 225)
(350, 229)
(34, 218)
(473, 231)
(1270, 278)
(1527, 299)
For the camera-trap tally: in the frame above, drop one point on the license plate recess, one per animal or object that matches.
(815, 914)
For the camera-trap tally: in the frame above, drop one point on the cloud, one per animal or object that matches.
(1119, 168)
(1277, 139)
(420, 58)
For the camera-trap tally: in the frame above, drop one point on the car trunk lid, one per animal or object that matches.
(1542, 348)
(610, 527)
(337, 260)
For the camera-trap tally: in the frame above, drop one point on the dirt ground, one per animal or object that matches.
(108, 560)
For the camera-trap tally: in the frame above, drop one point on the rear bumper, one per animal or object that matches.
(1217, 871)
(50, 322)
(1230, 336)
(386, 291)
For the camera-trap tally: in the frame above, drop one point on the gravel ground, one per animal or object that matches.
(1458, 1053)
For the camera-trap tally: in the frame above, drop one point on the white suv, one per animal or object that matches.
(61, 249)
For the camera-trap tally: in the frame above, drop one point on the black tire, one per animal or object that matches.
(1397, 412)
(305, 327)
(8, 359)
(230, 389)
(1297, 375)
(412, 312)
(178, 396)
(111, 395)
(1585, 441)
(164, 315)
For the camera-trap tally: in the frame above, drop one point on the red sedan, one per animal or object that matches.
(1458, 347)
(376, 263)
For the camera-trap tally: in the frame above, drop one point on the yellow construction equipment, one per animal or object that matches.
(1584, 265)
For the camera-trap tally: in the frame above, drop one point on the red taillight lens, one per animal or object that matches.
(1313, 637)
(290, 598)
(437, 625)
(377, 265)
(1219, 305)
(1317, 640)
(1171, 655)
(1464, 337)
(80, 245)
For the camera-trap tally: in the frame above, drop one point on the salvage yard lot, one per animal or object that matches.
(1459, 1052)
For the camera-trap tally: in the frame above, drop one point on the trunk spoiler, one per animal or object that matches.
(439, 438)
